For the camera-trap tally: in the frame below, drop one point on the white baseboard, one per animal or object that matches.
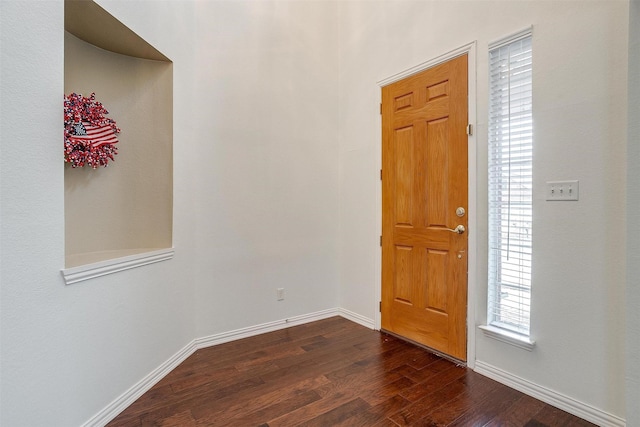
(357, 318)
(121, 403)
(127, 398)
(551, 397)
(263, 328)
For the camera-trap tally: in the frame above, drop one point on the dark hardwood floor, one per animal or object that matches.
(331, 372)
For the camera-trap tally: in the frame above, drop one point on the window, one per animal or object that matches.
(510, 184)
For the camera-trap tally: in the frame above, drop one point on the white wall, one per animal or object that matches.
(255, 192)
(258, 99)
(267, 165)
(580, 52)
(67, 351)
(633, 221)
(276, 148)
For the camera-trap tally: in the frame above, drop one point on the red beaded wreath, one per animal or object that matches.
(89, 137)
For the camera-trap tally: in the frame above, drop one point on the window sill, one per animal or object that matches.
(103, 268)
(508, 337)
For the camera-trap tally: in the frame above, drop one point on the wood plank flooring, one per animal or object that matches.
(332, 372)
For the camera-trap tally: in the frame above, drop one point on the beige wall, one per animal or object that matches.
(127, 206)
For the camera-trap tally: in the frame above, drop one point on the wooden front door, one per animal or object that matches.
(424, 183)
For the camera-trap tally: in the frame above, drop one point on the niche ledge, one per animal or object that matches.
(88, 271)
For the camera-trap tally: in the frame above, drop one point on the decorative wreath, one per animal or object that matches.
(89, 136)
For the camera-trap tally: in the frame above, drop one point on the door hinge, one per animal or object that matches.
(381, 108)
(380, 174)
(380, 241)
(380, 307)
(469, 129)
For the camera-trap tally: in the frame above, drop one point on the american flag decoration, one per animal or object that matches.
(89, 136)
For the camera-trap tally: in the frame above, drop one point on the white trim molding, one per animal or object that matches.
(263, 328)
(507, 337)
(428, 64)
(102, 268)
(526, 32)
(559, 400)
(123, 401)
(127, 398)
(357, 318)
(551, 397)
(472, 246)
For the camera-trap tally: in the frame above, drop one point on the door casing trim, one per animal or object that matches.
(472, 269)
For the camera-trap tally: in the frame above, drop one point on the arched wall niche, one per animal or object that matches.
(121, 216)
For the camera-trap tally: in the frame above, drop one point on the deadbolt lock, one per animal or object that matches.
(460, 211)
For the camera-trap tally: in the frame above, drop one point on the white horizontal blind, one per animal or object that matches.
(510, 184)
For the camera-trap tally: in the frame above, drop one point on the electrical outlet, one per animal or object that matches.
(562, 190)
(280, 294)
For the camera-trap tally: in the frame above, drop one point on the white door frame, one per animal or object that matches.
(469, 49)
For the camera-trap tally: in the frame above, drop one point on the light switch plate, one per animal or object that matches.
(562, 190)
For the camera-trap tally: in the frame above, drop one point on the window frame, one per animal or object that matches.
(514, 330)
